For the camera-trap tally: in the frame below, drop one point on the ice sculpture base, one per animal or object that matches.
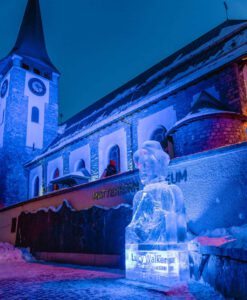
(159, 264)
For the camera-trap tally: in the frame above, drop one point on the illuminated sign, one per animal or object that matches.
(117, 190)
(177, 177)
(131, 187)
(165, 262)
(161, 267)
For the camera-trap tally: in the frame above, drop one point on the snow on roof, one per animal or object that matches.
(212, 50)
(72, 175)
(206, 112)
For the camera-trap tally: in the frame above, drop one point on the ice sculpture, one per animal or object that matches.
(156, 248)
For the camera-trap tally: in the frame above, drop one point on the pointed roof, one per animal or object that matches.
(204, 107)
(30, 42)
(191, 63)
(207, 101)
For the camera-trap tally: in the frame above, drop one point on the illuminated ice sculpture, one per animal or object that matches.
(155, 246)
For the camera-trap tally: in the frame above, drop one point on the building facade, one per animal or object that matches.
(194, 102)
(29, 105)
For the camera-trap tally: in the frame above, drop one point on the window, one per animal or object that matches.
(47, 75)
(35, 115)
(13, 225)
(25, 66)
(159, 135)
(56, 174)
(81, 165)
(36, 71)
(2, 118)
(114, 155)
(170, 147)
(36, 187)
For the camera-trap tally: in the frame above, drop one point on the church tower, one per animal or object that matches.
(28, 105)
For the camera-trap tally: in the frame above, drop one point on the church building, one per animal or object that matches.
(28, 107)
(193, 102)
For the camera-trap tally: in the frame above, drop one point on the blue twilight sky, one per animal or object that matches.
(98, 45)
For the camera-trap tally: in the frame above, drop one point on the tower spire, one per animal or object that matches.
(30, 42)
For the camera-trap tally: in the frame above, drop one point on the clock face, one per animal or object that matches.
(4, 88)
(37, 86)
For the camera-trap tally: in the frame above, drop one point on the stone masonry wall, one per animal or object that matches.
(13, 175)
(223, 85)
(203, 135)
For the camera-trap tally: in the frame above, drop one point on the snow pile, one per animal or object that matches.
(8, 253)
(27, 256)
(231, 237)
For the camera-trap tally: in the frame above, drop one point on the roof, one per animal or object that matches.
(206, 100)
(206, 113)
(30, 42)
(192, 59)
(71, 179)
(206, 106)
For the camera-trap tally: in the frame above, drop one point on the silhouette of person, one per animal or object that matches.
(110, 170)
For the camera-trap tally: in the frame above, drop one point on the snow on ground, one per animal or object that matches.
(24, 280)
(8, 253)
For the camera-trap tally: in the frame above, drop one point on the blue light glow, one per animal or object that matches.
(156, 248)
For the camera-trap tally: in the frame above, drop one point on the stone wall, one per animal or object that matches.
(225, 269)
(15, 152)
(208, 133)
(215, 188)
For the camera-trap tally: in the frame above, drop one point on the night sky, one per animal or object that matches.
(98, 45)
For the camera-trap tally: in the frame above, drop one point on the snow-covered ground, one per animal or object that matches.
(51, 281)
(8, 253)
(24, 280)
(22, 277)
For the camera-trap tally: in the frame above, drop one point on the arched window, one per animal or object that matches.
(35, 115)
(159, 135)
(114, 154)
(170, 146)
(2, 118)
(56, 174)
(36, 187)
(81, 165)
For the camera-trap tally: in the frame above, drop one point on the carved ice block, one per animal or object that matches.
(156, 249)
(157, 264)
